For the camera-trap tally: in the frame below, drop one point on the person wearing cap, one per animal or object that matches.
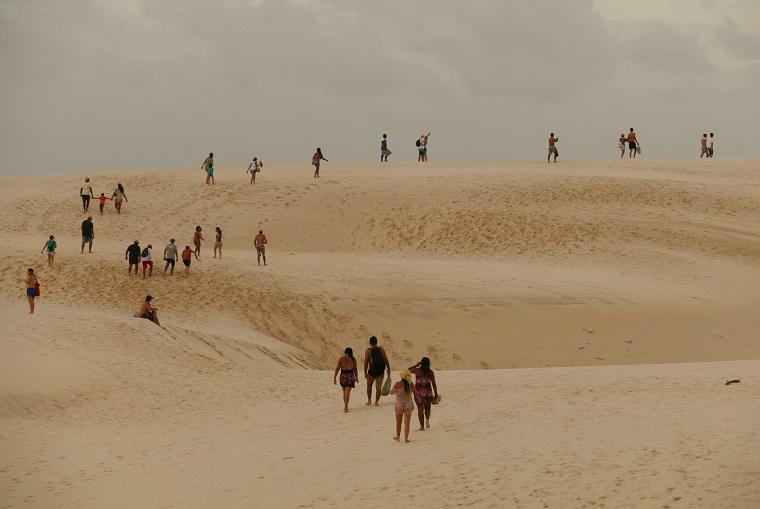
(170, 256)
(133, 255)
(405, 396)
(147, 311)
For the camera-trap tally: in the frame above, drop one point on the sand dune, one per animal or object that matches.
(604, 268)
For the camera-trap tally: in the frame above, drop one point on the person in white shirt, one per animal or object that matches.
(86, 193)
(147, 260)
(254, 168)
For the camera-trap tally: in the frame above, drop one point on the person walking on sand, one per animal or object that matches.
(406, 394)
(118, 196)
(102, 202)
(375, 365)
(315, 160)
(197, 239)
(218, 242)
(254, 168)
(147, 311)
(621, 145)
(703, 142)
(147, 260)
(187, 257)
(427, 391)
(133, 255)
(422, 143)
(260, 242)
(86, 193)
(88, 233)
(384, 151)
(711, 145)
(32, 289)
(50, 246)
(170, 256)
(348, 375)
(632, 144)
(208, 167)
(552, 148)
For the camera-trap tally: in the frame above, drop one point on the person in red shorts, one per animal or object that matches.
(147, 260)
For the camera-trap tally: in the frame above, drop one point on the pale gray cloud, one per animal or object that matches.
(122, 84)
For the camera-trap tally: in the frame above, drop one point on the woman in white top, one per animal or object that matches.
(119, 196)
(86, 193)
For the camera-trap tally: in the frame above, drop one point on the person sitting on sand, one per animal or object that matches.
(375, 365)
(218, 242)
(427, 391)
(552, 148)
(86, 193)
(102, 201)
(147, 311)
(208, 167)
(118, 196)
(406, 394)
(315, 159)
(170, 256)
(348, 375)
(133, 255)
(254, 168)
(187, 257)
(260, 243)
(197, 239)
(50, 246)
(88, 233)
(31, 289)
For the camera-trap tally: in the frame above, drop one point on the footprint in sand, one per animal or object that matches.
(407, 343)
(484, 365)
(456, 357)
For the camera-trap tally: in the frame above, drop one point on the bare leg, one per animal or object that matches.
(82, 248)
(258, 259)
(398, 426)
(265, 259)
(369, 389)
(421, 415)
(378, 388)
(427, 414)
(31, 305)
(407, 418)
(346, 397)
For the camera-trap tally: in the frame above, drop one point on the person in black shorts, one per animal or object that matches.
(170, 256)
(133, 255)
(375, 365)
(88, 233)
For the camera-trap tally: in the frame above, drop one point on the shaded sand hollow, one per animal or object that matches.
(626, 293)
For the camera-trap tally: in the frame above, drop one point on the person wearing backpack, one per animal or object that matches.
(133, 255)
(147, 260)
(375, 365)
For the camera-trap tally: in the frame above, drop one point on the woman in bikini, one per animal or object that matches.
(427, 391)
(118, 196)
(348, 375)
(218, 242)
(315, 159)
(197, 238)
(405, 393)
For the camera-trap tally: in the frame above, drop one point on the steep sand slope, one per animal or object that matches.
(482, 265)
(112, 412)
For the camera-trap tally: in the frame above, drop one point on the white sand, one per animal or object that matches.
(477, 266)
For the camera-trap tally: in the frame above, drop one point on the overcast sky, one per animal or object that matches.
(105, 84)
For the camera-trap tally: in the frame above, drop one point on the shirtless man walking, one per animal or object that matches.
(632, 144)
(260, 242)
(375, 365)
(552, 148)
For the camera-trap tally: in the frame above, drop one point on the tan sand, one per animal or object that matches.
(588, 265)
